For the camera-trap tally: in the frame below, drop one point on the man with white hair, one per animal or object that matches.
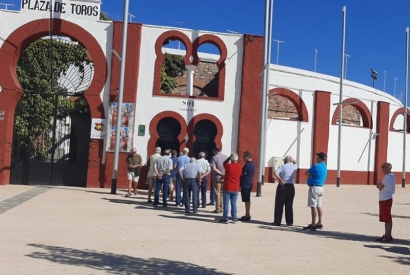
(190, 173)
(285, 192)
(163, 167)
(152, 176)
(182, 160)
(206, 169)
(233, 172)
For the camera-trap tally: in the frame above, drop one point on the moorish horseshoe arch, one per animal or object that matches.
(191, 51)
(10, 53)
(361, 107)
(295, 99)
(398, 112)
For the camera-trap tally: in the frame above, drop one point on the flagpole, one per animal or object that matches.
(406, 81)
(120, 98)
(339, 138)
(265, 91)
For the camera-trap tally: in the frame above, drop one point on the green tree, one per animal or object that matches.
(172, 67)
(39, 75)
(104, 16)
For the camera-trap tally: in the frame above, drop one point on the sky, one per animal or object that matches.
(375, 31)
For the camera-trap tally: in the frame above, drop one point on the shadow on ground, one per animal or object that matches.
(393, 216)
(401, 250)
(116, 263)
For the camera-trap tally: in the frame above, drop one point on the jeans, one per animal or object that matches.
(231, 197)
(191, 187)
(164, 183)
(204, 186)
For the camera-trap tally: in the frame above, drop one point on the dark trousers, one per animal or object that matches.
(284, 197)
(191, 187)
(164, 184)
(204, 186)
(178, 189)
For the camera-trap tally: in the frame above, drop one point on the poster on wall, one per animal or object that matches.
(99, 128)
(127, 126)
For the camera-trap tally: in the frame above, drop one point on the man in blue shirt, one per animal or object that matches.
(182, 160)
(190, 173)
(316, 180)
(246, 183)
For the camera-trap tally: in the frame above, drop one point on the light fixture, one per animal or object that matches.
(1, 89)
(250, 38)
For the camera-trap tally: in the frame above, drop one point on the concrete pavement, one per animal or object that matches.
(65, 230)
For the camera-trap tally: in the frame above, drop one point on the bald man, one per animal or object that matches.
(134, 164)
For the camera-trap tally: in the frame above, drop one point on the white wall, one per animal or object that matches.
(148, 106)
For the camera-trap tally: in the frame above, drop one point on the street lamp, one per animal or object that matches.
(373, 75)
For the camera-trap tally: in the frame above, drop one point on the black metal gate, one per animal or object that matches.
(205, 132)
(52, 119)
(168, 130)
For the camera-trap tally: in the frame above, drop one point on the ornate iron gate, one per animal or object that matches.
(52, 119)
(168, 129)
(205, 132)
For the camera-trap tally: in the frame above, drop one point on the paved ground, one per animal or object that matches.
(64, 230)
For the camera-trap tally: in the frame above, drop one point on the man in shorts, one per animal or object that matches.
(246, 184)
(152, 175)
(134, 163)
(316, 180)
(387, 188)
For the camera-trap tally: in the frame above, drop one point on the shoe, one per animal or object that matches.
(211, 203)
(150, 201)
(319, 226)
(245, 218)
(203, 206)
(385, 239)
(155, 204)
(275, 224)
(310, 227)
(224, 221)
(290, 224)
(128, 195)
(135, 192)
(181, 204)
(196, 212)
(216, 211)
(234, 221)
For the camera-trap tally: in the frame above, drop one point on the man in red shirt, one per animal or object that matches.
(233, 171)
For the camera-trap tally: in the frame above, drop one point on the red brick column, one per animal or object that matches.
(250, 108)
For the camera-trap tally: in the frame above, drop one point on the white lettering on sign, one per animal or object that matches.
(79, 9)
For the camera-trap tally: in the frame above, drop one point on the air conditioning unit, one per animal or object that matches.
(275, 162)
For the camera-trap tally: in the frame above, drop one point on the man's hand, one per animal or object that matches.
(380, 186)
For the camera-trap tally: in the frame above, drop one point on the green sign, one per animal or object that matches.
(141, 130)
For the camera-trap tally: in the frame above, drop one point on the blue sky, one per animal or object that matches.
(375, 30)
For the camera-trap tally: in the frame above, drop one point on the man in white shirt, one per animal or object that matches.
(206, 169)
(152, 176)
(387, 188)
(163, 167)
(285, 192)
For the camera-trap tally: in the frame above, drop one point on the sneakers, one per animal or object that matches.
(310, 227)
(384, 239)
(234, 221)
(224, 221)
(211, 203)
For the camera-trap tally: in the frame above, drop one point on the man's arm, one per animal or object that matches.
(280, 180)
(199, 178)
(380, 186)
(208, 170)
(227, 160)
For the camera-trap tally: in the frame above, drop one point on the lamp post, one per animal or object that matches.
(277, 50)
(373, 75)
(120, 98)
(406, 81)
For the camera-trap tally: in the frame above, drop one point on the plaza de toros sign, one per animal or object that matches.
(84, 9)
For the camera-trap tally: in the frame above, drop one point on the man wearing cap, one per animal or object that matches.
(316, 180)
(285, 192)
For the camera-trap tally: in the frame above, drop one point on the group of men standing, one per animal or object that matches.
(189, 178)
